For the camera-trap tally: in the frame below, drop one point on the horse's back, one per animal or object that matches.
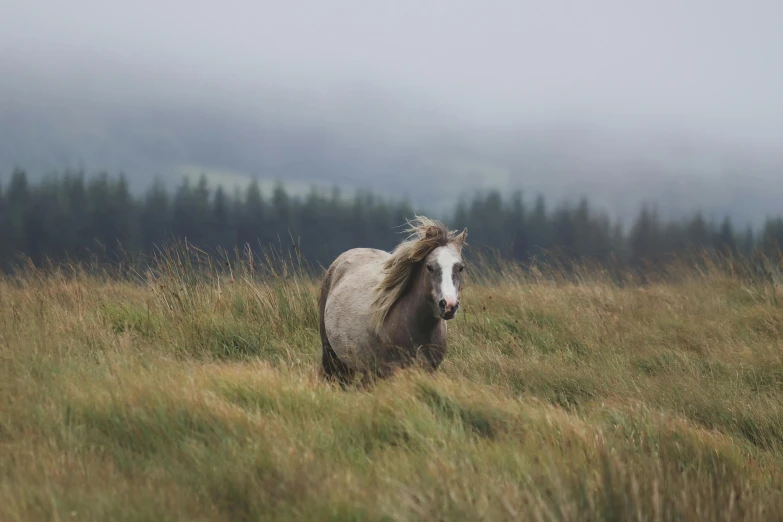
(357, 263)
(347, 310)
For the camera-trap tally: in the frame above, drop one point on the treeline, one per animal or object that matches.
(75, 217)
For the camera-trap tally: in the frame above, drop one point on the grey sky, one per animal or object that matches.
(709, 66)
(669, 102)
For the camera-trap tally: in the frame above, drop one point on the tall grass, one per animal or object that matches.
(189, 390)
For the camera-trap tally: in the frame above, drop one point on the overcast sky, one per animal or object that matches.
(711, 66)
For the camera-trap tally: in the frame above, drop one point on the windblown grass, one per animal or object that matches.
(191, 392)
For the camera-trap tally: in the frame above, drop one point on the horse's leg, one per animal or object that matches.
(333, 367)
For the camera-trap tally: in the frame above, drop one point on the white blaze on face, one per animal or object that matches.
(446, 260)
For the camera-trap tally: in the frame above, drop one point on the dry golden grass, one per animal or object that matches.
(188, 394)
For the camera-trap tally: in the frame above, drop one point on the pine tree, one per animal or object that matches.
(516, 225)
(19, 204)
(124, 213)
(747, 242)
(726, 241)
(772, 237)
(645, 239)
(223, 234)
(61, 216)
(541, 236)
(155, 223)
(5, 245)
(253, 226)
(282, 217)
(565, 233)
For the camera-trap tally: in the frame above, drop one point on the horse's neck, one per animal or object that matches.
(413, 315)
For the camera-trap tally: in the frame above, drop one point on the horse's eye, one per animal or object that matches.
(461, 268)
(429, 267)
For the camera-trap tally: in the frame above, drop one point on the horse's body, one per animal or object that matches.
(380, 311)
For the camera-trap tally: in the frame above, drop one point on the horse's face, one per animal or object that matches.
(443, 274)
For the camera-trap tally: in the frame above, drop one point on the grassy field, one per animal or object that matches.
(195, 395)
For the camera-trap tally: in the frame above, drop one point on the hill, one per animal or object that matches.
(360, 139)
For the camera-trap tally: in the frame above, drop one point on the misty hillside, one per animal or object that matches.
(365, 142)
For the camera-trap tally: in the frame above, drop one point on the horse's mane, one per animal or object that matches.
(425, 235)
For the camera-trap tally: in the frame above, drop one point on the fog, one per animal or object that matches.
(675, 103)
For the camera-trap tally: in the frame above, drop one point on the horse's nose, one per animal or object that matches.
(448, 307)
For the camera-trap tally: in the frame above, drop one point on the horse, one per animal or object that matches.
(382, 311)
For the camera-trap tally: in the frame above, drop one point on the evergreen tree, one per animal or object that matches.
(541, 236)
(125, 221)
(223, 234)
(645, 239)
(772, 237)
(253, 228)
(192, 211)
(75, 198)
(747, 242)
(63, 216)
(516, 225)
(17, 209)
(155, 223)
(100, 215)
(5, 246)
(726, 240)
(698, 235)
(281, 218)
(565, 233)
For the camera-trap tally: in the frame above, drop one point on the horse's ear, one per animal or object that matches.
(460, 239)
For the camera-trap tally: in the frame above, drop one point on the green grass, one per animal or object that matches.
(193, 393)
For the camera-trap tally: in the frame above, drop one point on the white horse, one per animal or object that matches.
(380, 311)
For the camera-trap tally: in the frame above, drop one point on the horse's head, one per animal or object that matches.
(443, 269)
(429, 262)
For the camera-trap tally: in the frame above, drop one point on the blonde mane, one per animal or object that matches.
(425, 235)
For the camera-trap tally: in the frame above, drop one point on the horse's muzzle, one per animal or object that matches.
(448, 309)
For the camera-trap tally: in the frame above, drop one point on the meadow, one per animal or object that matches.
(191, 391)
